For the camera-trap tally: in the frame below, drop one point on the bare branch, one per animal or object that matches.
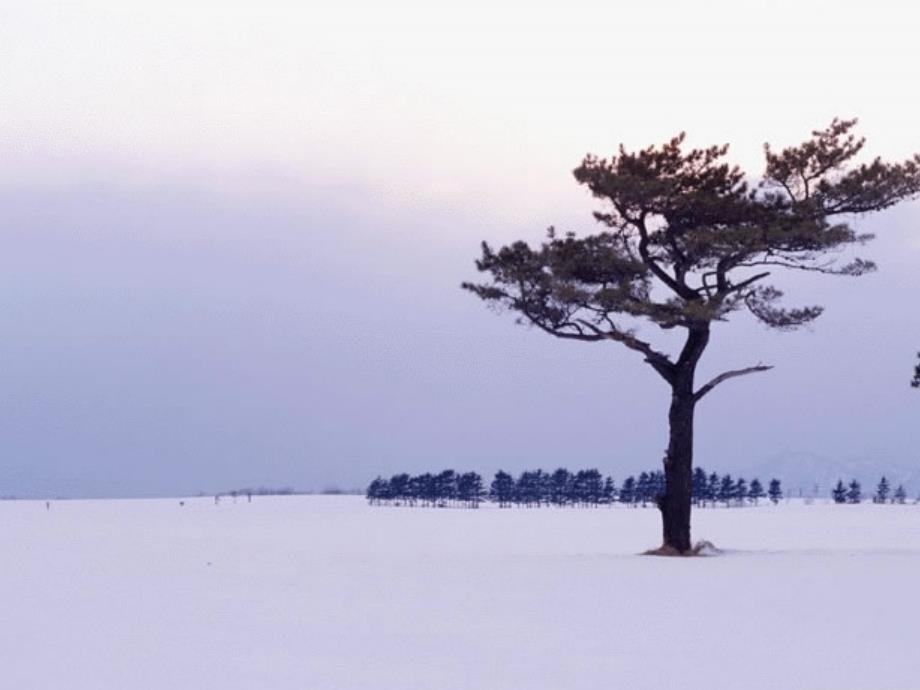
(555, 331)
(659, 361)
(737, 287)
(856, 267)
(728, 375)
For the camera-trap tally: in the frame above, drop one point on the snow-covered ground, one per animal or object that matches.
(319, 593)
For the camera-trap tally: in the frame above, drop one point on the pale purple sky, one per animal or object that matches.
(235, 236)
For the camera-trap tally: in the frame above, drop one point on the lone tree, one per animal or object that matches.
(686, 241)
(916, 380)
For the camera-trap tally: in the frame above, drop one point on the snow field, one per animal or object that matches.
(329, 593)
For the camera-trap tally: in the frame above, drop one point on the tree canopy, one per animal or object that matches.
(688, 240)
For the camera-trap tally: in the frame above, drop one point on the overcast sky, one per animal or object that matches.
(234, 235)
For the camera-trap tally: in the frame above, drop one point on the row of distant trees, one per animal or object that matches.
(852, 493)
(442, 489)
(584, 488)
(712, 489)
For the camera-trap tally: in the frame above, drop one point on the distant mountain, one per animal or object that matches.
(802, 472)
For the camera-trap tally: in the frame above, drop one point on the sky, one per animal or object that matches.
(234, 235)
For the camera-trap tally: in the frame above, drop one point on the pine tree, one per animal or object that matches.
(840, 492)
(429, 489)
(628, 491)
(502, 489)
(376, 491)
(415, 490)
(477, 491)
(469, 489)
(775, 491)
(579, 495)
(524, 489)
(740, 491)
(755, 493)
(712, 489)
(882, 491)
(464, 489)
(900, 495)
(560, 486)
(544, 487)
(698, 489)
(685, 242)
(594, 487)
(446, 488)
(726, 490)
(854, 494)
(539, 488)
(399, 488)
(643, 489)
(610, 491)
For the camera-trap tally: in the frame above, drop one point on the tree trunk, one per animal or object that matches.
(678, 463)
(678, 471)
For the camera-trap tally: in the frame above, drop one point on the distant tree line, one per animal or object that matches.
(447, 488)
(711, 489)
(852, 493)
(258, 491)
(584, 488)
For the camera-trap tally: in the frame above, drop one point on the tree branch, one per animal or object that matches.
(679, 288)
(728, 375)
(826, 269)
(659, 361)
(737, 287)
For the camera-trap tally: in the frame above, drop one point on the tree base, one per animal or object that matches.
(701, 548)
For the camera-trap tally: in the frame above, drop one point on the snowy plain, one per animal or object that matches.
(327, 593)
